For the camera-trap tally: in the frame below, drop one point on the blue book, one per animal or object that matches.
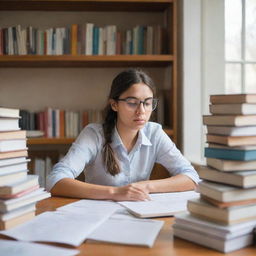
(95, 41)
(230, 154)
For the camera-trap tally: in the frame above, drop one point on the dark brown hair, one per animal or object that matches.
(122, 82)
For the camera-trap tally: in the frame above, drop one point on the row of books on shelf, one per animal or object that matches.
(58, 123)
(224, 218)
(86, 39)
(19, 191)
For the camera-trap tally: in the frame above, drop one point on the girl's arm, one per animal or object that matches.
(176, 183)
(73, 188)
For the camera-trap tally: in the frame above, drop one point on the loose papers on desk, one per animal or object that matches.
(14, 248)
(161, 204)
(124, 229)
(63, 226)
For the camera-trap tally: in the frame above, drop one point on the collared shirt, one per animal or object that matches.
(152, 146)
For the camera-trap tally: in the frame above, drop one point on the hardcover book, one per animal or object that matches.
(225, 216)
(225, 193)
(231, 141)
(233, 109)
(245, 179)
(230, 154)
(231, 165)
(232, 130)
(232, 98)
(229, 120)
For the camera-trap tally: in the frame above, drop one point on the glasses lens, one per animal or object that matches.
(150, 104)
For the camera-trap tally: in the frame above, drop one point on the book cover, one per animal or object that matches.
(245, 179)
(225, 193)
(229, 120)
(13, 154)
(233, 109)
(231, 165)
(225, 216)
(230, 154)
(9, 112)
(232, 98)
(232, 130)
(231, 141)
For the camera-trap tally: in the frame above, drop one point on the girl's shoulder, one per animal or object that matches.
(151, 128)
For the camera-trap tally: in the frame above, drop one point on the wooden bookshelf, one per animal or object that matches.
(7, 61)
(165, 63)
(86, 5)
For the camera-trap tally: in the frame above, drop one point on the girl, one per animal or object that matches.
(118, 155)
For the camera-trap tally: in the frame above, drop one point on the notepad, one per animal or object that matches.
(161, 204)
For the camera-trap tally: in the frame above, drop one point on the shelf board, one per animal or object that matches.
(66, 141)
(85, 60)
(50, 141)
(85, 5)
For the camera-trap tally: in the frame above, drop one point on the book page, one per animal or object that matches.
(161, 204)
(59, 227)
(14, 248)
(127, 230)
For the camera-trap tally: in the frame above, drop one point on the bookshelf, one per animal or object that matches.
(38, 74)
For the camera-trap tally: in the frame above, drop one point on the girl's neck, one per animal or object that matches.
(128, 137)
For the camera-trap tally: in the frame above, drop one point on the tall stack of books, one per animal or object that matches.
(19, 191)
(225, 215)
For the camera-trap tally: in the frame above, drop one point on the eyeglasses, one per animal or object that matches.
(132, 104)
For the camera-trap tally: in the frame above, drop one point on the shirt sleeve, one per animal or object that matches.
(82, 152)
(171, 158)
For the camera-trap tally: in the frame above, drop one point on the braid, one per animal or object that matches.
(109, 157)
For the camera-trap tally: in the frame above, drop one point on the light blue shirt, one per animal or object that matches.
(152, 146)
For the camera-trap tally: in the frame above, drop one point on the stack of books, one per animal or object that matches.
(19, 191)
(225, 215)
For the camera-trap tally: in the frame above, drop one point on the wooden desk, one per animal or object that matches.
(165, 244)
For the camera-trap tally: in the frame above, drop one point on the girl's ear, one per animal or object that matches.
(113, 104)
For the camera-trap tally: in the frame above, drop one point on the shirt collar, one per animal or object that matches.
(142, 139)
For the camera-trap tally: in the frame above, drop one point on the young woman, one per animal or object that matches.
(118, 155)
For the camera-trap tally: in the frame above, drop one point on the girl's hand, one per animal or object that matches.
(131, 192)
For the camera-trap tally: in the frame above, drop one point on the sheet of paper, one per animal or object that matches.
(14, 248)
(127, 230)
(161, 204)
(90, 206)
(59, 226)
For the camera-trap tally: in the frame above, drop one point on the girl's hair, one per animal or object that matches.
(120, 84)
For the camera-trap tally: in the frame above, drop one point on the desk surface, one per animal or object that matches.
(165, 244)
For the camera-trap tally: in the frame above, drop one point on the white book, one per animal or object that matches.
(13, 145)
(11, 248)
(88, 38)
(10, 161)
(214, 242)
(11, 204)
(40, 171)
(128, 231)
(17, 212)
(186, 220)
(8, 169)
(9, 124)
(18, 186)
(13, 177)
(9, 112)
(161, 204)
(232, 130)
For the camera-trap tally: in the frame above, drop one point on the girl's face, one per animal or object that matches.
(131, 114)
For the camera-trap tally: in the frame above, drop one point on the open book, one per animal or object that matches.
(161, 204)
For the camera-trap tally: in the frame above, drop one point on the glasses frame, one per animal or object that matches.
(142, 101)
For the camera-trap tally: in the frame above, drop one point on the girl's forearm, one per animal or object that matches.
(77, 189)
(173, 184)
